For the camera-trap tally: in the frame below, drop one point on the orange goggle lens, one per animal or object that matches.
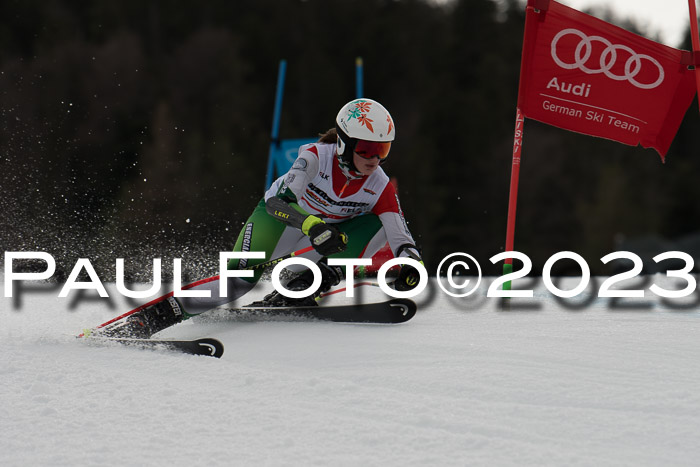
(370, 149)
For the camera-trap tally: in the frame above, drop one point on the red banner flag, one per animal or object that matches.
(695, 40)
(585, 75)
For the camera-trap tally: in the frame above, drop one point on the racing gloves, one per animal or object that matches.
(325, 238)
(408, 279)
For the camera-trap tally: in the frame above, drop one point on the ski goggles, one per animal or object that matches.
(370, 149)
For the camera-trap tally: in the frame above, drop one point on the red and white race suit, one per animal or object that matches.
(322, 189)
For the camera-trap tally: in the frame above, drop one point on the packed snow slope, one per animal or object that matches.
(462, 383)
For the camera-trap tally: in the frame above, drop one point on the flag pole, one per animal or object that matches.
(275, 143)
(359, 82)
(533, 7)
(513, 196)
(696, 43)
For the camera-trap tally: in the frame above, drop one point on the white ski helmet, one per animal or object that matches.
(362, 119)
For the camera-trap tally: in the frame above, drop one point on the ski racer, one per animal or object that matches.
(336, 198)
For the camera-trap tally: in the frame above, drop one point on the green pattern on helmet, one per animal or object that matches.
(356, 111)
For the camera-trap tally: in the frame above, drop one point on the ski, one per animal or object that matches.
(205, 346)
(395, 311)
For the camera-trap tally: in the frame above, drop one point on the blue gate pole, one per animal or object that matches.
(359, 91)
(274, 144)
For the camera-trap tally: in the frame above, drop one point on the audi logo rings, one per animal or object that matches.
(608, 58)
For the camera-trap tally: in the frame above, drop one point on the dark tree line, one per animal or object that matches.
(141, 129)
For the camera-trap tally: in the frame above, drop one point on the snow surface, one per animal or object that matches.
(462, 383)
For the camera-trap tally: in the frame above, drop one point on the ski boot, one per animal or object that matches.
(330, 276)
(144, 323)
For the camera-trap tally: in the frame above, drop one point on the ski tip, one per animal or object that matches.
(211, 347)
(406, 307)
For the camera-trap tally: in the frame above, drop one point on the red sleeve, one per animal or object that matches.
(313, 150)
(387, 201)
